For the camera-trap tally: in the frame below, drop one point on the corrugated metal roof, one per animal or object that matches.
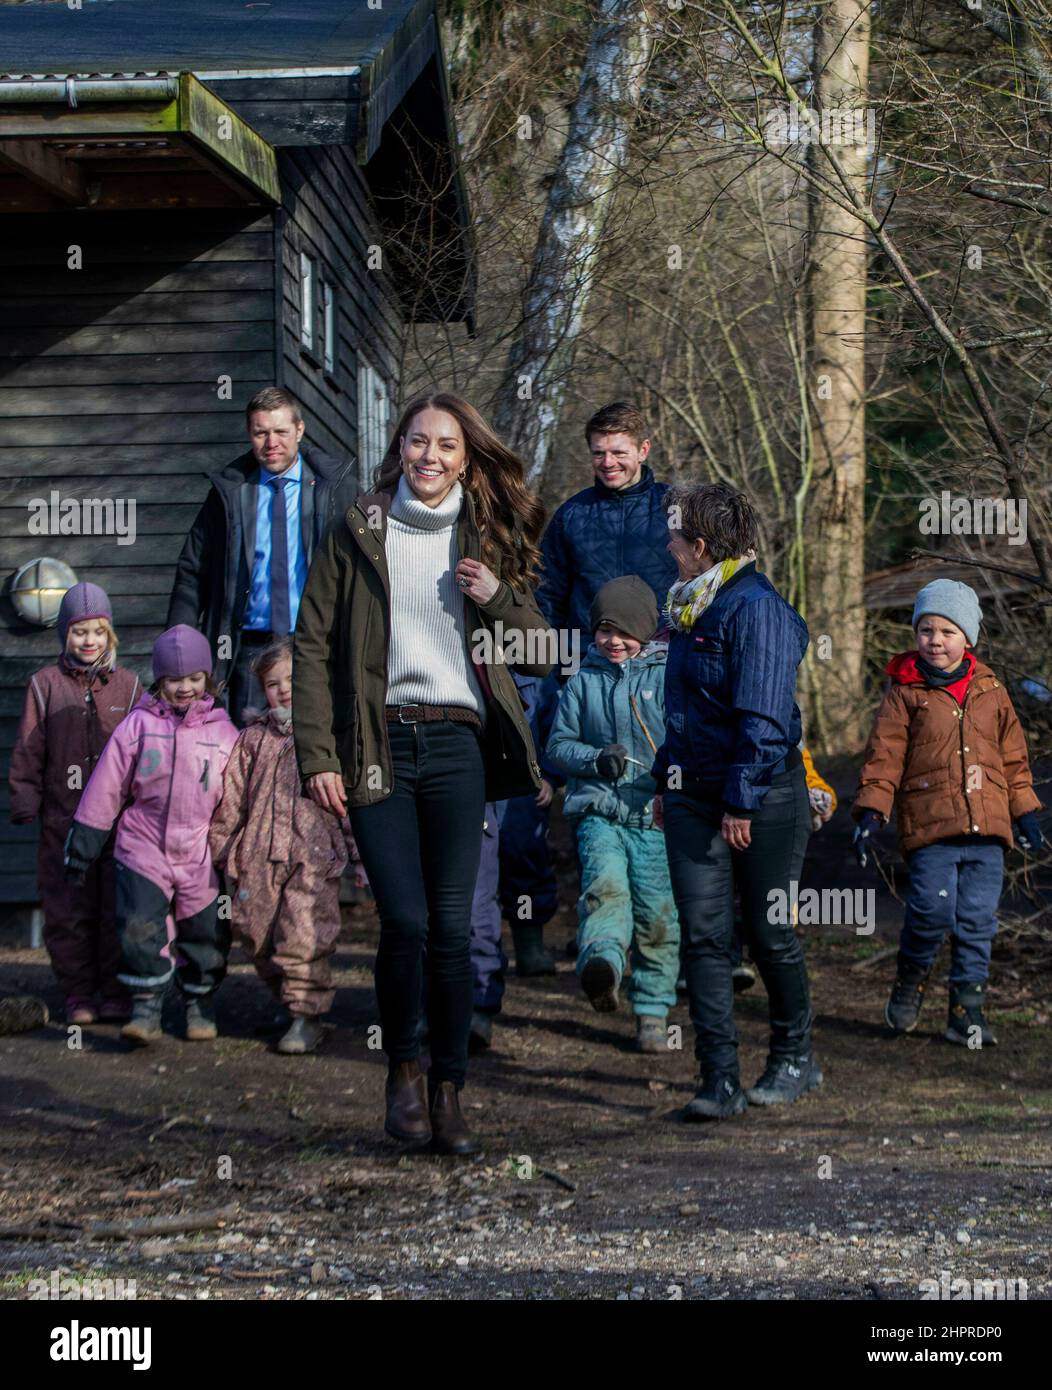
(134, 35)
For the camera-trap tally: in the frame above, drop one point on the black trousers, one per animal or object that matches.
(202, 942)
(421, 849)
(243, 688)
(705, 872)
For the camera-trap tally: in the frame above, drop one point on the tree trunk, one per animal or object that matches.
(837, 303)
(529, 402)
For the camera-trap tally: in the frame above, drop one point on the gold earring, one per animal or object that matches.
(462, 474)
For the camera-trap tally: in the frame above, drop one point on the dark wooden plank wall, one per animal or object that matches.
(108, 389)
(326, 214)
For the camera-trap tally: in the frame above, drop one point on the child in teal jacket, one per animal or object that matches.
(610, 719)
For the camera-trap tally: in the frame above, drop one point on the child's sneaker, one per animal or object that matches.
(200, 1018)
(651, 1033)
(600, 980)
(967, 1023)
(80, 1010)
(144, 1026)
(719, 1096)
(907, 995)
(785, 1080)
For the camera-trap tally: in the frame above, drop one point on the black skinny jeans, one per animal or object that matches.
(705, 872)
(421, 849)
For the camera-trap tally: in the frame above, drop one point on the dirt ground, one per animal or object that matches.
(915, 1157)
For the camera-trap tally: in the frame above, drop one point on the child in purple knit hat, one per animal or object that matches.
(164, 766)
(71, 709)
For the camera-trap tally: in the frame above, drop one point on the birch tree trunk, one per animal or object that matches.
(529, 401)
(837, 300)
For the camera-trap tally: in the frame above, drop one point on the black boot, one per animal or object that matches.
(743, 978)
(480, 1034)
(303, 1035)
(785, 1080)
(600, 981)
(718, 1097)
(144, 1026)
(907, 995)
(530, 956)
(967, 1025)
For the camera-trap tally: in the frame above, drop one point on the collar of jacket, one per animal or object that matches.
(245, 467)
(78, 672)
(645, 482)
(371, 506)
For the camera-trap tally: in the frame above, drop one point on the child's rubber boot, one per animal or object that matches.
(600, 981)
(144, 1026)
(530, 956)
(200, 1018)
(719, 1097)
(652, 1033)
(967, 1025)
(302, 1036)
(785, 1080)
(907, 995)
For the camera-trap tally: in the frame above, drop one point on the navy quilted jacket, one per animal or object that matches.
(602, 534)
(731, 719)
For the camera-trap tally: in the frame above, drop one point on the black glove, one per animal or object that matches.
(610, 761)
(76, 875)
(1028, 832)
(869, 822)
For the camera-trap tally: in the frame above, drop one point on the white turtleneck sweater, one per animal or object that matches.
(428, 661)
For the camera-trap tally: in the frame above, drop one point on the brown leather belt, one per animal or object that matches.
(431, 714)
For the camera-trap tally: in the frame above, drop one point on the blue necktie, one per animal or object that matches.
(280, 613)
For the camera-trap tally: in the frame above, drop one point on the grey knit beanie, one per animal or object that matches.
(949, 598)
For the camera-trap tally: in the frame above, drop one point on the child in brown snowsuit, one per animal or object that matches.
(71, 709)
(283, 857)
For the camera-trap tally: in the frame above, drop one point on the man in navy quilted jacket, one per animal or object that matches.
(618, 526)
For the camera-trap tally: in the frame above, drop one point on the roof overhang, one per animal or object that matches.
(156, 141)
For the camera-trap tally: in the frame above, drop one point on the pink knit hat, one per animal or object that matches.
(80, 603)
(181, 651)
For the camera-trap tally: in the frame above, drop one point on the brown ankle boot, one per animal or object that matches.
(449, 1129)
(406, 1096)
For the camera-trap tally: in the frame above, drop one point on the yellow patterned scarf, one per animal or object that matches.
(688, 598)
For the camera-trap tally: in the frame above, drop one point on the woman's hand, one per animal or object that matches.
(657, 812)
(737, 831)
(476, 581)
(327, 789)
(544, 796)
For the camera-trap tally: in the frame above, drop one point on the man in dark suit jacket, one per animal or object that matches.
(242, 570)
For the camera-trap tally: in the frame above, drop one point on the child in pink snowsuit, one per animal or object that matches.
(71, 709)
(167, 759)
(283, 856)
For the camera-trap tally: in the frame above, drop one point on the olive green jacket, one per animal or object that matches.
(339, 676)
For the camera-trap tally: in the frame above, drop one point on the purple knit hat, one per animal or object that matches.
(181, 651)
(80, 603)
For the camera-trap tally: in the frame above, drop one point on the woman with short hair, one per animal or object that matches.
(405, 714)
(734, 804)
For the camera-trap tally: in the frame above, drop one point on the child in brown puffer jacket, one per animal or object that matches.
(283, 857)
(947, 750)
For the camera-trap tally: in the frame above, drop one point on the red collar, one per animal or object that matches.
(903, 670)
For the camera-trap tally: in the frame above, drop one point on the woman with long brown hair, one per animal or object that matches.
(406, 714)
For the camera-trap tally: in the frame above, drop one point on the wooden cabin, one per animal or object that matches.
(200, 199)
